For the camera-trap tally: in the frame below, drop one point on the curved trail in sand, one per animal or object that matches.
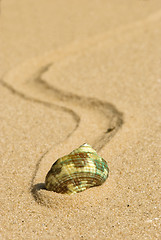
(77, 106)
(27, 81)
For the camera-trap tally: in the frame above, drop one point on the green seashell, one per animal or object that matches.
(76, 172)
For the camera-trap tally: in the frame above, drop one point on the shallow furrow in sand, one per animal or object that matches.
(79, 107)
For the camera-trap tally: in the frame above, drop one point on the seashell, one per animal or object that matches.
(76, 172)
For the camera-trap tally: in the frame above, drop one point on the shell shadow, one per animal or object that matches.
(35, 189)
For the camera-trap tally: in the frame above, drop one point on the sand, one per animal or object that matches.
(74, 72)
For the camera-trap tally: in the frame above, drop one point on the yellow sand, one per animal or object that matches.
(74, 72)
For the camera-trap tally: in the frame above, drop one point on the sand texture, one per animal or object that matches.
(73, 72)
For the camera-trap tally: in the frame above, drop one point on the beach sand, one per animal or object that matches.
(73, 72)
